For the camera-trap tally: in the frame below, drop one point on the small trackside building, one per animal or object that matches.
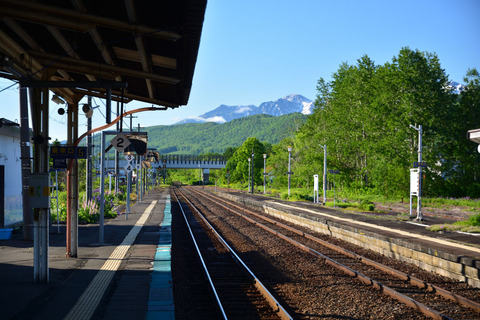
(11, 208)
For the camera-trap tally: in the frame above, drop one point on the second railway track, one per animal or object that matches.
(313, 280)
(235, 292)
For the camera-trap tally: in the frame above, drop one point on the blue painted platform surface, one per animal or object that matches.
(160, 303)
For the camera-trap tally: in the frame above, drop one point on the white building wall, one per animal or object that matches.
(10, 158)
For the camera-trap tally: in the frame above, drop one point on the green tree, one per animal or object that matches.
(238, 164)
(460, 170)
(278, 162)
(363, 116)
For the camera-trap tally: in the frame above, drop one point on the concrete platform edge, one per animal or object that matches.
(459, 268)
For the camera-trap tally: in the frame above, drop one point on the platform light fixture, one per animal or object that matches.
(57, 99)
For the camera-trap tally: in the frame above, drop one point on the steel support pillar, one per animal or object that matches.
(102, 189)
(137, 183)
(39, 110)
(26, 164)
(72, 184)
(117, 160)
(89, 188)
(129, 186)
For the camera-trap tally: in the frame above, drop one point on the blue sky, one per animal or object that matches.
(260, 50)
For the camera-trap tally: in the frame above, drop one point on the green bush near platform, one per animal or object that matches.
(474, 204)
(88, 211)
(62, 206)
(473, 221)
(471, 225)
(367, 205)
(341, 204)
(295, 195)
(274, 192)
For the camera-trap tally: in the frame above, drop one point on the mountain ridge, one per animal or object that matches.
(225, 113)
(211, 137)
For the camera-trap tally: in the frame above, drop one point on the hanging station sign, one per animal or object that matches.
(68, 152)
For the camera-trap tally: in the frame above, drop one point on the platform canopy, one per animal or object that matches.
(150, 45)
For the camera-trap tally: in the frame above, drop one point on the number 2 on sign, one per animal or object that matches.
(120, 142)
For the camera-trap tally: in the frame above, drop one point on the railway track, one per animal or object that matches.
(431, 300)
(237, 293)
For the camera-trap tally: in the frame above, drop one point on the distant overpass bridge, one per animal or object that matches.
(191, 162)
(169, 161)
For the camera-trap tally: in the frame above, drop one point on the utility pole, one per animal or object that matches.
(264, 172)
(131, 117)
(253, 157)
(249, 174)
(324, 173)
(289, 148)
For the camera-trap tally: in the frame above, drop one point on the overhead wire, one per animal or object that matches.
(116, 114)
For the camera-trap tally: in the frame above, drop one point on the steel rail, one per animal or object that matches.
(400, 275)
(353, 273)
(205, 269)
(276, 306)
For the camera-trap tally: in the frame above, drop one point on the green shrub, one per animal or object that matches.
(89, 210)
(275, 192)
(472, 224)
(473, 221)
(109, 205)
(62, 206)
(367, 205)
(343, 204)
(284, 195)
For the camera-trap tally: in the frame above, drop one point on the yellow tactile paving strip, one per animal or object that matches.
(88, 302)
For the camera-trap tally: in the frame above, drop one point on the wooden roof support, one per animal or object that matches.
(146, 60)
(132, 55)
(66, 46)
(94, 68)
(97, 39)
(15, 51)
(29, 40)
(75, 20)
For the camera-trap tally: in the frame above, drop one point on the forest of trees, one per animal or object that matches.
(364, 114)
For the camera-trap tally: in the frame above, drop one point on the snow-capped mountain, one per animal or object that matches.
(289, 104)
(457, 87)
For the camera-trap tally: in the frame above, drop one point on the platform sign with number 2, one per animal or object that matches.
(120, 142)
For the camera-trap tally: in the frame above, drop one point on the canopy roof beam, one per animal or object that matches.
(100, 70)
(74, 20)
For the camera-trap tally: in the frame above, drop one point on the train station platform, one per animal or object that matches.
(451, 254)
(132, 280)
(111, 281)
